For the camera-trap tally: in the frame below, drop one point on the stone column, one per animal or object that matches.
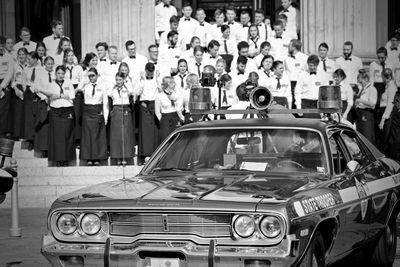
(7, 18)
(115, 22)
(337, 21)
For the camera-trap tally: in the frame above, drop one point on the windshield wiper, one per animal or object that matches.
(170, 169)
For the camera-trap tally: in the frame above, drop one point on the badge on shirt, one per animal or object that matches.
(5, 63)
(284, 85)
(328, 67)
(297, 65)
(317, 84)
(98, 90)
(285, 45)
(66, 88)
(70, 117)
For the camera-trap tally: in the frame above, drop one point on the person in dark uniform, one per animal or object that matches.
(18, 99)
(121, 129)
(61, 119)
(148, 124)
(392, 131)
(168, 108)
(94, 119)
(365, 104)
(6, 74)
(44, 78)
(30, 99)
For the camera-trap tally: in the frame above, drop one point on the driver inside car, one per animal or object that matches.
(304, 142)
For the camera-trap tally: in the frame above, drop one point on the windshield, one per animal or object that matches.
(264, 150)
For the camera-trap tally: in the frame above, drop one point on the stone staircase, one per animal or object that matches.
(39, 185)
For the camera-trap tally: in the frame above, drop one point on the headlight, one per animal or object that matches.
(90, 224)
(67, 223)
(244, 226)
(270, 226)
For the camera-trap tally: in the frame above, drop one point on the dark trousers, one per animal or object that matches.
(169, 122)
(292, 87)
(365, 123)
(6, 122)
(281, 101)
(148, 129)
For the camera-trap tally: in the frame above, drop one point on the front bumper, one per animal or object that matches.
(187, 253)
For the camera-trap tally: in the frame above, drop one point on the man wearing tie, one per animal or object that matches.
(135, 61)
(25, 35)
(350, 64)
(242, 33)
(291, 14)
(326, 64)
(393, 48)
(53, 40)
(102, 49)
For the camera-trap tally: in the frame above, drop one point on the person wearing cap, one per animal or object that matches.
(149, 85)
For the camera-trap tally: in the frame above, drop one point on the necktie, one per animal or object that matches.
(102, 59)
(219, 26)
(133, 57)
(33, 75)
(393, 48)
(285, 10)
(56, 37)
(224, 98)
(113, 63)
(278, 85)
(149, 77)
(60, 85)
(244, 26)
(171, 47)
(278, 37)
(26, 43)
(49, 77)
(182, 83)
(202, 24)
(225, 47)
(240, 73)
(166, 6)
(266, 73)
(313, 73)
(383, 65)
(348, 58)
(255, 43)
(94, 89)
(70, 72)
(230, 23)
(198, 69)
(324, 64)
(186, 19)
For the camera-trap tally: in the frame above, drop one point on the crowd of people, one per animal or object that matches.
(119, 109)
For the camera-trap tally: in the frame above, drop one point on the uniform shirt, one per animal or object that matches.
(291, 15)
(346, 92)
(203, 31)
(285, 87)
(262, 30)
(109, 69)
(367, 94)
(230, 47)
(187, 28)
(215, 33)
(250, 65)
(188, 55)
(279, 48)
(27, 75)
(136, 65)
(162, 15)
(375, 71)
(242, 33)
(254, 46)
(195, 67)
(58, 59)
(242, 105)
(234, 27)
(228, 97)
(102, 62)
(54, 90)
(307, 86)
(167, 59)
(51, 43)
(31, 46)
(257, 59)
(180, 81)
(289, 35)
(295, 65)
(330, 67)
(264, 76)
(6, 69)
(43, 80)
(147, 89)
(351, 66)
(238, 78)
(17, 73)
(74, 73)
(120, 95)
(393, 53)
(396, 73)
(387, 99)
(164, 105)
(164, 41)
(210, 60)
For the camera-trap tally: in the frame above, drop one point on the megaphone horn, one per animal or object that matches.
(261, 98)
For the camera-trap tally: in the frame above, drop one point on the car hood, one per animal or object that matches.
(172, 190)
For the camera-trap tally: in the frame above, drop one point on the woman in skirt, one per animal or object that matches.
(168, 108)
(44, 78)
(94, 119)
(345, 91)
(18, 99)
(121, 128)
(61, 119)
(30, 99)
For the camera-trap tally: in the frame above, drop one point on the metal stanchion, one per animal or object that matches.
(15, 230)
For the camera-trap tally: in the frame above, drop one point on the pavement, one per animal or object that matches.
(25, 250)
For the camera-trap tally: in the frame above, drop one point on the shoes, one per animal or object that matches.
(96, 163)
(90, 163)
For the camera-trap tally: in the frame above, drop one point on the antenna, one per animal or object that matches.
(123, 144)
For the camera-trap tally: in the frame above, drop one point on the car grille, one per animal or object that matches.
(203, 225)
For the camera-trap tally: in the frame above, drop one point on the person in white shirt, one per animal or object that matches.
(180, 78)
(61, 94)
(243, 50)
(188, 54)
(265, 71)
(291, 14)
(350, 64)
(268, 25)
(259, 22)
(130, 84)
(265, 48)
(365, 104)
(279, 46)
(228, 45)
(121, 129)
(162, 14)
(153, 54)
(230, 14)
(196, 65)
(288, 33)
(346, 91)
(168, 108)
(9, 48)
(242, 33)
(307, 87)
(254, 41)
(393, 47)
(94, 120)
(240, 73)
(169, 55)
(110, 68)
(203, 30)
(228, 93)
(192, 81)
(53, 40)
(279, 85)
(396, 72)
(220, 68)
(174, 25)
(73, 72)
(65, 43)
(135, 61)
(211, 57)
(326, 64)
(25, 35)
(187, 25)
(41, 50)
(215, 31)
(102, 49)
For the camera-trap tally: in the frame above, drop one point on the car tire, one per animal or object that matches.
(315, 255)
(385, 251)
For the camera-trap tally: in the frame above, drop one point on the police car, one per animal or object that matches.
(240, 192)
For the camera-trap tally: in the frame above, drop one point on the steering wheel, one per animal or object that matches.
(281, 163)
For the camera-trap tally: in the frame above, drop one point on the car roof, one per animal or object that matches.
(315, 124)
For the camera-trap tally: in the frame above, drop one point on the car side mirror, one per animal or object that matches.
(352, 166)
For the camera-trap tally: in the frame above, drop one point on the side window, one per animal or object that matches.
(339, 162)
(355, 149)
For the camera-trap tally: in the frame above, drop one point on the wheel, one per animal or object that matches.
(282, 163)
(385, 251)
(315, 255)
